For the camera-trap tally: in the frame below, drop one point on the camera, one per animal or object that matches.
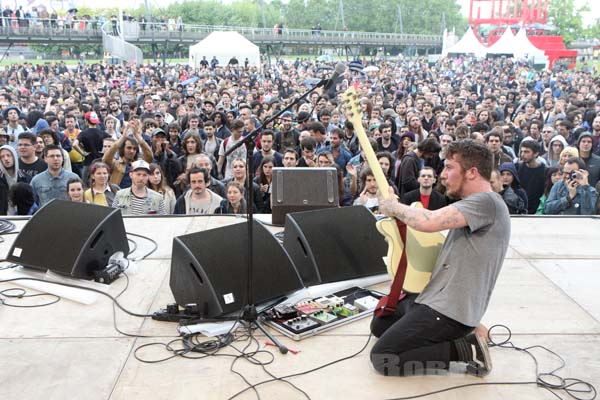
(573, 175)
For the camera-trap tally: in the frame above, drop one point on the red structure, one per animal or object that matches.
(531, 14)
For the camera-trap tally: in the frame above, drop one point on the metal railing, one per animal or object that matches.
(118, 47)
(78, 30)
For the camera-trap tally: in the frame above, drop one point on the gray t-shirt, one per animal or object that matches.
(470, 260)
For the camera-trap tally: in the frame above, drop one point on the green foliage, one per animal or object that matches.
(568, 19)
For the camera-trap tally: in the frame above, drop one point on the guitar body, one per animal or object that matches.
(421, 249)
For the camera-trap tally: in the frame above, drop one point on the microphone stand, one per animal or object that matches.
(249, 313)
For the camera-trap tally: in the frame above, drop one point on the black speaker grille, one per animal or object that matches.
(218, 257)
(70, 238)
(335, 244)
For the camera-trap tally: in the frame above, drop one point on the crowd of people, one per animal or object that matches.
(153, 139)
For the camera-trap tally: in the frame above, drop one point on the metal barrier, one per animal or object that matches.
(43, 30)
(118, 47)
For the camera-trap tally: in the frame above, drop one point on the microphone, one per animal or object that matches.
(329, 84)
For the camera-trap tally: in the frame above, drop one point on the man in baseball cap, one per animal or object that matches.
(139, 199)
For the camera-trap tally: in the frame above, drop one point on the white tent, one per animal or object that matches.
(507, 44)
(468, 44)
(225, 45)
(526, 49)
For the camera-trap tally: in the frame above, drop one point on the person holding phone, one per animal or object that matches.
(573, 195)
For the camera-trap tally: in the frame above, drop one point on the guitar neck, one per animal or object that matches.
(382, 182)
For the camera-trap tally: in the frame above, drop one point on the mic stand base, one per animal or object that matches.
(250, 316)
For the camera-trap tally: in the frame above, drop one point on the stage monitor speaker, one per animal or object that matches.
(302, 189)
(70, 238)
(210, 269)
(335, 244)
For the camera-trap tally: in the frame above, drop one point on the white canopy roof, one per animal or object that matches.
(526, 49)
(507, 44)
(225, 45)
(468, 44)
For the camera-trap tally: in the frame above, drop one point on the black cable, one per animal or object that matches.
(6, 226)
(565, 384)
(133, 246)
(116, 302)
(22, 293)
(305, 372)
(147, 238)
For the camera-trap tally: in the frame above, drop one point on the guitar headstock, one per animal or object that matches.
(352, 106)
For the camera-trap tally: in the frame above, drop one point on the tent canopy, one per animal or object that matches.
(507, 44)
(468, 44)
(525, 48)
(224, 46)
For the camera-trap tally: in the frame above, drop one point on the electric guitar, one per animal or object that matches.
(422, 249)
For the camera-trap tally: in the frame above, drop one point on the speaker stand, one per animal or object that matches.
(249, 313)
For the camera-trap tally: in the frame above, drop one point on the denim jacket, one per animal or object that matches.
(583, 203)
(47, 187)
(152, 203)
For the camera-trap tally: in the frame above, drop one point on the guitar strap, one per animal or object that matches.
(387, 304)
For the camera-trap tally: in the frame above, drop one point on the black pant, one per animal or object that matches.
(415, 340)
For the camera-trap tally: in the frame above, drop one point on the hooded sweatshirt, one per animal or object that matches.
(509, 192)
(554, 159)
(10, 179)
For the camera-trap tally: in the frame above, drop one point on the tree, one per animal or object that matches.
(567, 19)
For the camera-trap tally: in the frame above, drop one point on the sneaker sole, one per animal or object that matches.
(479, 367)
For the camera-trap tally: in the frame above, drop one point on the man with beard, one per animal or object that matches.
(429, 198)
(368, 197)
(198, 199)
(530, 172)
(427, 332)
(288, 138)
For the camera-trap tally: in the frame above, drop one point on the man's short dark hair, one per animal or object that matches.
(429, 146)
(493, 132)
(576, 160)
(315, 126)
(28, 136)
(196, 170)
(470, 153)
(308, 143)
(531, 145)
(51, 147)
(237, 124)
(267, 132)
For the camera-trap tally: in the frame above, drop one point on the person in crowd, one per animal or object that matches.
(198, 199)
(572, 195)
(128, 148)
(100, 190)
(21, 199)
(556, 145)
(138, 199)
(156, 182)
(411, 162)
(264, 180)
(29, 163)
(425, 194)
(369, 195)
(235, 202)
(513, 194)
(52, 183)
(9, 175)
(239, 175)
(75, 190)
(551, 176)
(49, 136)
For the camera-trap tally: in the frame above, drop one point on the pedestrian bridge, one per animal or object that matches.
(88, 32)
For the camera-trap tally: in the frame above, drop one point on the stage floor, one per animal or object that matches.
(547, 294)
